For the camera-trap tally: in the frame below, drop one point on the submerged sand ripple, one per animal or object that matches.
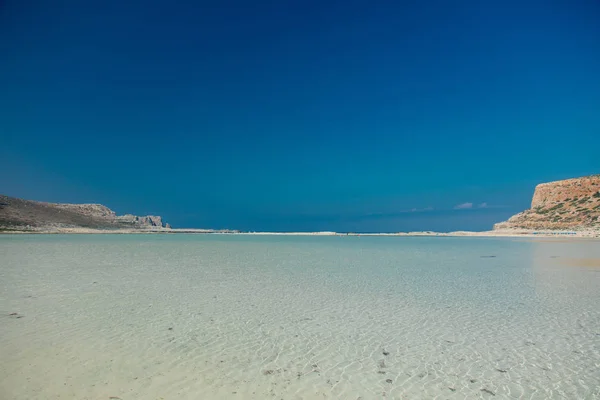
(149, 317)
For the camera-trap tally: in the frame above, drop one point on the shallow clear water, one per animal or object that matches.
(253, 317)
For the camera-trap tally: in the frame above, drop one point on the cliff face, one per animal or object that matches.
(35, 215)
(569, 204)
(148, 220)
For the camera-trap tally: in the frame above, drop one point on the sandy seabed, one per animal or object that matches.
(258, 317)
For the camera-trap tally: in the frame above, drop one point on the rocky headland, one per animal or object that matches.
(571, 204)
(35, 216)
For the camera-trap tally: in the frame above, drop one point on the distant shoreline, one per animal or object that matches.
(495, 233)
(569, 208)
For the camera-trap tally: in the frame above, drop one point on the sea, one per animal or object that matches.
(298, 317)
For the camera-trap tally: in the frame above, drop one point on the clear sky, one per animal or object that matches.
(299, 115)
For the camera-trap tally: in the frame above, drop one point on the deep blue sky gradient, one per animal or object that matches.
(339, 115)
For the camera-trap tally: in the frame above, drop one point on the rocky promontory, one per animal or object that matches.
(570, 204)
(28, 215)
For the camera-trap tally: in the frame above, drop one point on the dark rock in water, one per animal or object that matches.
(488, 256)
(501, 370)
(388, 380)
(488, 391)
(382, 364)
(381, 372)
(386, 353)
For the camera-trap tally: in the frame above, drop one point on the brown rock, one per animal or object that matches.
(19, 214)
(568, 204)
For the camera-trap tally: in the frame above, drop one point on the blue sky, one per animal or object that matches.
(344, 115)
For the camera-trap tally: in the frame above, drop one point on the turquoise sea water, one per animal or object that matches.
(258, 317)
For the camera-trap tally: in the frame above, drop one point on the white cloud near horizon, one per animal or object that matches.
(463, 206)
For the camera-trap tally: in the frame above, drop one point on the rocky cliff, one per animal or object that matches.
(19, 214)
(569, 204)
